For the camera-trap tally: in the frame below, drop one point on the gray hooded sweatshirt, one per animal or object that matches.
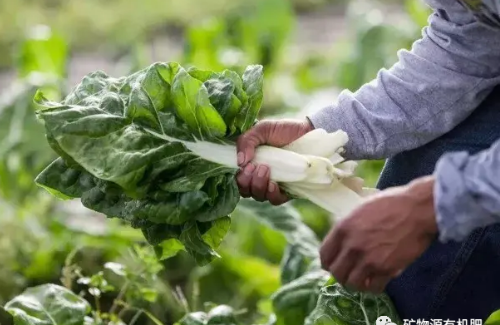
(429, 91)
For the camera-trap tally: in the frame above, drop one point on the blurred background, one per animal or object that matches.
(311, 50)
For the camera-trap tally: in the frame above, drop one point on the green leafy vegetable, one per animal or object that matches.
(336, 305)
(256, 31)
(287, 220)
(301, 274)
(294, 301)
(42, 52)
(302, 252)
(23, 150)
(494, 318)
(121, 150)
(5, 317)
(24, 153)
(219, 315)
(294, 264)
(48, 305)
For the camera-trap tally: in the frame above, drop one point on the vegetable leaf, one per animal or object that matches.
(193, 105)
(336, 305)
(23, 150)
(219, 315)
(43, 52)
(294, 301)
(293, 264)
(122, 150)
(5, 317)
(253, 79)
(48, 304)
(287, 220)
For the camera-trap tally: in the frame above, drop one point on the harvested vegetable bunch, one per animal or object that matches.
(156, 149)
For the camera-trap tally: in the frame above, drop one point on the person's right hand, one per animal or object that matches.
(254, 181)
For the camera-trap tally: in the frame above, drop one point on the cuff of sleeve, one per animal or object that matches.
(457, 211)
(331, 119)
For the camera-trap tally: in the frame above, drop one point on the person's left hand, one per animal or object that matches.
(379, 239)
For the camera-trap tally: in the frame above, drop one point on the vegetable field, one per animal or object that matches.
(117, 125)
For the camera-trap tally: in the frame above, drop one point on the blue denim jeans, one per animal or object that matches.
(457, 279)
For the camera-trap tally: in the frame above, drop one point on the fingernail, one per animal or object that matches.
(272, 187)
(249, 169)
(262, 171)
(398, 273)
(241, 158)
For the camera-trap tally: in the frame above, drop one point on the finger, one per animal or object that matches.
(377, 284)
(343, 265)
(259, 183)
(249, 141)
(359, 278)
(274, 195)
(331, 247)
(244, 179)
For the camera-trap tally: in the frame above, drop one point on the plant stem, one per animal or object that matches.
(196, 294)
(123, 311)
(122, 292)
(182, 299)
(97, 305)
(68, 269)
(136, 317)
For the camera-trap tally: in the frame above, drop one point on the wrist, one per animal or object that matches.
(422, 194)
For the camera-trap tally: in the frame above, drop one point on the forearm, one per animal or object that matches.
(427, 93)
(467, 192)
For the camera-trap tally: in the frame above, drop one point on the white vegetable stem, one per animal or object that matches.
(311, 167)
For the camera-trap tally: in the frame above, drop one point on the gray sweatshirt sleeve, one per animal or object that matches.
(467, 192)
(429, 91)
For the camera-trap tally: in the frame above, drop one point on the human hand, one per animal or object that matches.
(254, 181)
(381, 237)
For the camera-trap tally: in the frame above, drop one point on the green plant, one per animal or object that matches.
(136, 286)
(53, 304)
(218, 315)
(494, 318)
(306, 293)
(337, 305)
(161, 186)
(375, 46)
(46, 304)
(23, 151)
(35, 238)
(257, 31)
(112, 24)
